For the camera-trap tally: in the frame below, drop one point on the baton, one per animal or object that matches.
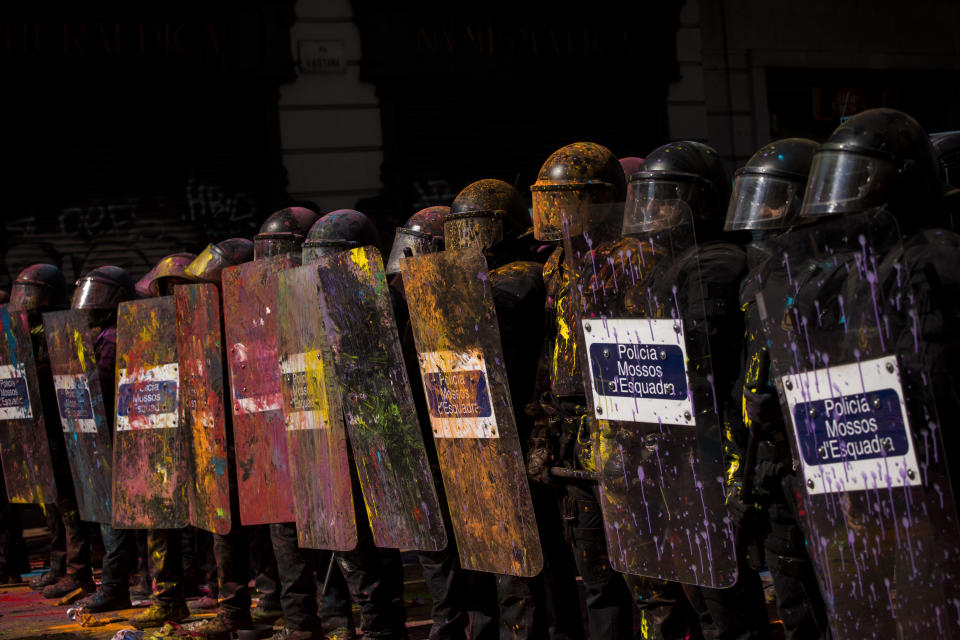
(326, 578)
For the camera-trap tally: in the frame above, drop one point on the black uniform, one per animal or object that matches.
(774, 524)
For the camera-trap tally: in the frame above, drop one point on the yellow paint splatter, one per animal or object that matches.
(359, 258)
(78, 346)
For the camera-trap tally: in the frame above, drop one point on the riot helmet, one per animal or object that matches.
(676, 178)
(338, 231)
(38, 287)
(103, 288)
(877, 158)
(209, 265)
(947, 147)
(630, 165)
(575, 191)
(421, 234)
(169, 271)
(768, 190)
(483, 214)
(283, 232)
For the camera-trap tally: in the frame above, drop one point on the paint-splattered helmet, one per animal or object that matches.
(575, 191)
(209, 265)
(39, 286)
(283, 232)
(169, 271)
(421, 234)
(103, 288)
(338, 231)
(483, 214)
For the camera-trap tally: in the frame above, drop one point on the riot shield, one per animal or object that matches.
(876, 503)
(385, 435)
(319, 463)
(27, 465)
(649, 381)
(461, 358)
(151, 471)
(83, 414)
(200, 354)
(259, 436)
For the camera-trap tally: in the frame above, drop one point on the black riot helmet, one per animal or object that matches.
(338, 231)
(877, 158)
(768, 190)
(675, 178)
(209, 265)
(103, 288)
(483, 214)
(421, 234)
(576, 191)
(37, 288)
(283, 232)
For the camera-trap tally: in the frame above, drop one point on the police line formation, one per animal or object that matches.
(659, 385)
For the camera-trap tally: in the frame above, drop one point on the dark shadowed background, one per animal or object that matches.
(134, 130)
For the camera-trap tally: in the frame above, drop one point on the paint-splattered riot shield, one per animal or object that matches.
(319, 463)
(259, 436)
(151, 470)
(27, 465)
(71, 339)
(461, 358)
(381, 419)
(649, 382)
(853, 368)
(200, 354)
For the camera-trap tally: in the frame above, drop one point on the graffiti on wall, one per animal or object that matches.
(133, 232)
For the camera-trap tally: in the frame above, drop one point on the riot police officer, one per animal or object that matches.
(490, 214)
(767, 195)
(374, 576)
(684, 186)
(459, 601)
(882, 158)
(231, 550)
(570, 180)
(98, 293)
(165, 546)
(282, 232)
(40, 288)
(843, 294)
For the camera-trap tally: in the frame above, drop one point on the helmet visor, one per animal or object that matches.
(566, 210)
(208, 265)
(483, 231)
(656, 205)
(409, 243)
(94, 293)
(267, 247)
(763, 202)
(842, 182)
(313, 251)
(25, 296)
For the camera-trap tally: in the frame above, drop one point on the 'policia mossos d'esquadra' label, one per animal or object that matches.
(75, 403)
(148, 398)
(14, 399)
(638, 370)
(851, 427)
(303, 382)
(458, 394)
